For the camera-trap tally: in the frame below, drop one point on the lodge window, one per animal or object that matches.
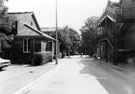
(26, 45)
(49, 46)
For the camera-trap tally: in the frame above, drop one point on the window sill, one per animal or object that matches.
(26, 52)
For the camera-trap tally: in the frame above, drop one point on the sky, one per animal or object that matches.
(73, 13)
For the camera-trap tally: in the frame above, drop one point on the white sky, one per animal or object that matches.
(70, 12)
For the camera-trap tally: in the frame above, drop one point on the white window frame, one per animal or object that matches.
(27, 45)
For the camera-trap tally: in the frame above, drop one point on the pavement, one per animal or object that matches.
(35, 86)
(15, 77)
(128, 69)
(50, 67)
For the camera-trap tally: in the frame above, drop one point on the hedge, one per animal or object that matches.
(42, 58)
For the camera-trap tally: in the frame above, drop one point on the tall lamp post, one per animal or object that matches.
(56, 35)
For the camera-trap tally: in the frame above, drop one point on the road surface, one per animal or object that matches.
(82, 76)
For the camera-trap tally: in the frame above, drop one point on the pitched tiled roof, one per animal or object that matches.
(110, 12)
(113, 4)
(119, 11)
(22, 16)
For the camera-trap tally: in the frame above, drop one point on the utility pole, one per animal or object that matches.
(56, 35)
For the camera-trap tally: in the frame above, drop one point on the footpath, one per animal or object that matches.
(128, 69)
(48, 69)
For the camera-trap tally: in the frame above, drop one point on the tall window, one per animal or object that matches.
(26, 45)
(49, 46)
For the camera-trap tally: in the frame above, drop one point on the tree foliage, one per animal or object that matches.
(75, 41)
(88, 33)
(7, 26)
(69, 40)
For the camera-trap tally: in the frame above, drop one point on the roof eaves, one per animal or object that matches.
(36, 21)
(39, 32)
(107, 16)
(111, 18)
(32, 29)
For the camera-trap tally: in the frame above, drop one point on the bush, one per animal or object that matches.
(42, 58)
(38, 59)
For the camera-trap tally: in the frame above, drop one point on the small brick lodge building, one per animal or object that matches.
(29, 39)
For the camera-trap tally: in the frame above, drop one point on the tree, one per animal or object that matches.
(7, 27)
(76, 41)
(69, 40)
(88, 33)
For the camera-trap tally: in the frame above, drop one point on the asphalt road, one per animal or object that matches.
(71, 76)
(115, 81)
(83, 76)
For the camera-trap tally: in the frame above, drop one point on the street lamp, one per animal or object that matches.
(56, 35)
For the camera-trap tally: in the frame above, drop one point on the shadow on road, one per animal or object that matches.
(112, 81)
